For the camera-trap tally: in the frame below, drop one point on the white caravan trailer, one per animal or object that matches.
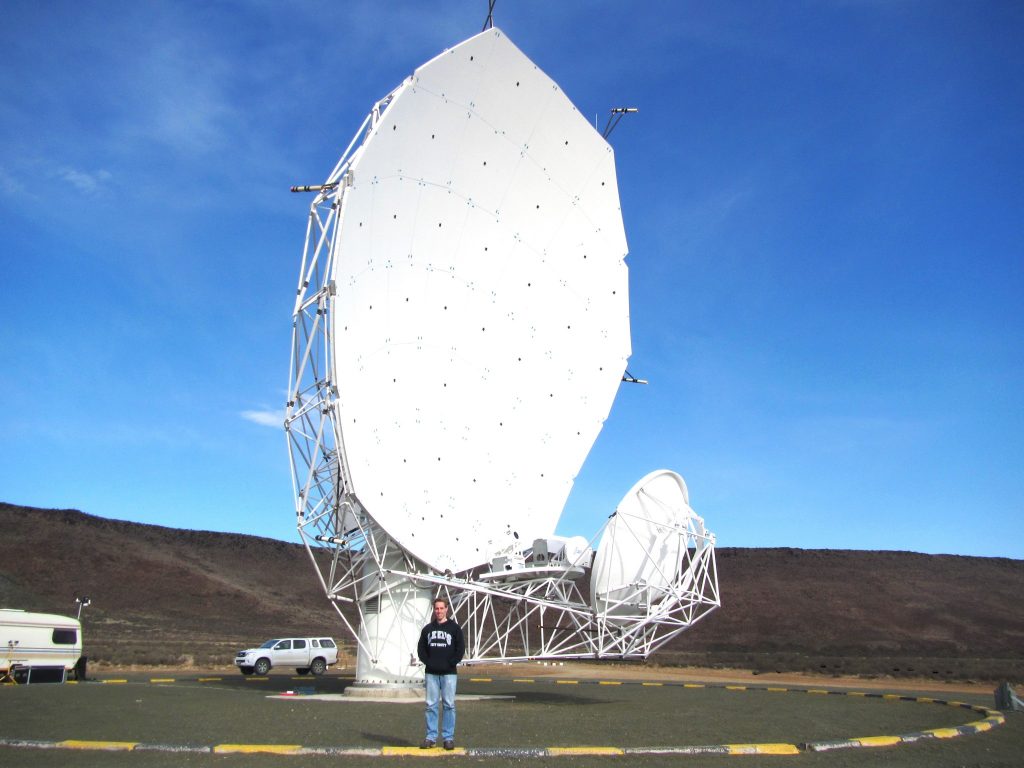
(35, 640)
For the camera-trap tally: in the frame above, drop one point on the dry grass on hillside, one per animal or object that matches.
(192, 598)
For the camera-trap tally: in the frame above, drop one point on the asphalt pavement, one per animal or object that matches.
(142, 719)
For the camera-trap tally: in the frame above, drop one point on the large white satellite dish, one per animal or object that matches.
(474, 372)
(461, 328)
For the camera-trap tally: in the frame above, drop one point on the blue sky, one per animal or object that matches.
(824, 203)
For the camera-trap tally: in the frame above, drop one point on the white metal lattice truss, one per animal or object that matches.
(461, 326)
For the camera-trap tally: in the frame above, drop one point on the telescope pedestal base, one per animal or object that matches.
(406, 692)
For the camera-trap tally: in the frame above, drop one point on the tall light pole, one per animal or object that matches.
(83, 602)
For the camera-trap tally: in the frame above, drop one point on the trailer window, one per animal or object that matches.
(65, 636)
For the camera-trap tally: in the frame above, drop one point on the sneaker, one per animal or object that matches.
(427, 744)
(449, 744)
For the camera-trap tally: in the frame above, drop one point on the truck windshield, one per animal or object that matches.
(269, 644)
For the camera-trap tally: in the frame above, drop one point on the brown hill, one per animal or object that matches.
(169, 596)
(159, 595)
(861, 612)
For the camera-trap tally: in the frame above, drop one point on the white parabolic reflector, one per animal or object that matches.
(641, 557)
(481, 322)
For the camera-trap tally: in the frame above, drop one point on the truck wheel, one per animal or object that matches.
(262, 666)
(245, 670)
(318, 667)
(302, 670)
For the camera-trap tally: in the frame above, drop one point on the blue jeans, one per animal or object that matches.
(441, 687)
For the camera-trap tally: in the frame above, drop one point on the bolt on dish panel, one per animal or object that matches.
(481, 324)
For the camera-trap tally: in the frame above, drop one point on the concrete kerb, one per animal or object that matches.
(501, 752)
(992, 718)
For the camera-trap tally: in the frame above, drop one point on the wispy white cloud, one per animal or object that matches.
(838, 434)
(714, 209)
(177, 89)
(265, 418)
(85, 181)
(24, 174)
(10, 186)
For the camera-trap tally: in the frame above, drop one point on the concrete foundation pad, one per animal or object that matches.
(405, 693)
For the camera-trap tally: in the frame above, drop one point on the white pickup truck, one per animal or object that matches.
(306, 654)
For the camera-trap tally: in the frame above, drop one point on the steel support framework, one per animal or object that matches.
(533, 613)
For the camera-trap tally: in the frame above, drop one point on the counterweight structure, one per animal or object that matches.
(461, 327)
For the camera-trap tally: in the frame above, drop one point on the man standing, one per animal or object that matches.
(441, 648)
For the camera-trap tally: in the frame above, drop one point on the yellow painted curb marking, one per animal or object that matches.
(763, 749)
(817, 690)
(114, 681)
(480, 680)
(277, 749)
(210, 679)
(892, 696)
(778, 690)
(568, 682)
(522, 680)
(693, 685)
(417, 752)
(944, 733)
(80, 744)
(735, 687)
(585, 751)
(653, 684)
(161, 679)
(877, 741)
(609, 682)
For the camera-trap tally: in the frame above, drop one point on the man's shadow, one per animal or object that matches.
(388, 740)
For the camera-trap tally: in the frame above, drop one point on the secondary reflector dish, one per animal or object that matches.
(645, 548)
(481, 323)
